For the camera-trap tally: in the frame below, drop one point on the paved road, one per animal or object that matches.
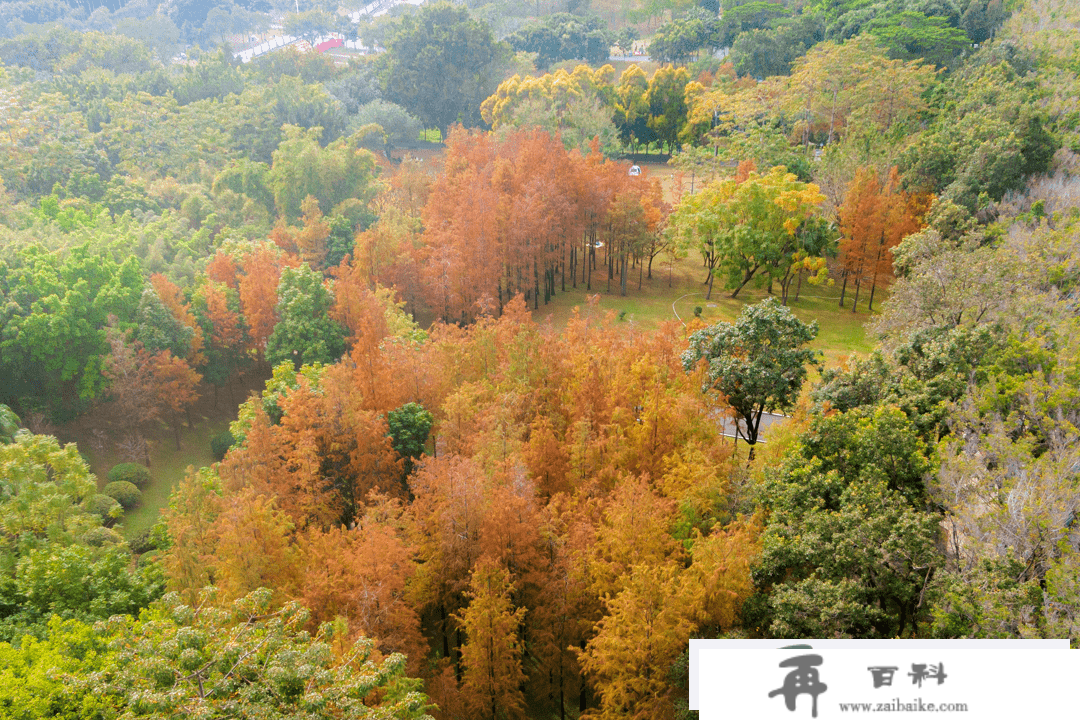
(767, 421)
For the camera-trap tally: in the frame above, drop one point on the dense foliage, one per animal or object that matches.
(439, 505)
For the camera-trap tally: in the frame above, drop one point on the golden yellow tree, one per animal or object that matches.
(493, 650)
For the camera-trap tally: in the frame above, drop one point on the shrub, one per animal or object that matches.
(124, 493)
(220, 444)
(697, 311)
(146, 541)
(137, 475)
(104, 507)
(100, 536)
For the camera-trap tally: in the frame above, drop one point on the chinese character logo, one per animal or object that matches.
(803, 679)
(882, 675)
(919, 673)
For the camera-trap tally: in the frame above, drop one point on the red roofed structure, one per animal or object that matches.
(324, 46)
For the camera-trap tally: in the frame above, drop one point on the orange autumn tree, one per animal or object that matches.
(225, 336)
(645, 628)
(460, 260)
(446, 518)
(362, 574)
(309, 241)
(223, 268)
(322, 459)
(258, 290)
(176, 387)
(253, 546)
(173, 299)
(521, 215)
(874, 218)
(581, 467)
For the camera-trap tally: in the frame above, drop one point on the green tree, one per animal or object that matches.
(742, 15)
(36, 674)
(309, 25)
(409, 427)
(398, 126)
(666, 98)
(156, 31)
(680, 41)
(440, 64)
(341, 171)
(757, 364)
(982, 18)
(249, 660)
(762, 226)
(563, 36)
(766, 52)
(158, 329)
(52, 337)
(9, 424)
(910, 34)
(55, 556)
(305, 334)
(631, 114)
(851, 540)
(247, 178)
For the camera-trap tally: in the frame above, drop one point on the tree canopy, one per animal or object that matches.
(440, 64)
(757, 364)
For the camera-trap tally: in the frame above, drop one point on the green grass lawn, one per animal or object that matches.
(167, 464)
(840, 331)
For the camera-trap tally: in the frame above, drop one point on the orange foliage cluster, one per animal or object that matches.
(519, 215)
(874, 218)
(573, 513)
(254, 274)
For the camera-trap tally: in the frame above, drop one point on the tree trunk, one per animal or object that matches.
(843, 289)
(562, 268)
(445, 632)
(708, 295)
(873, 284)
(583, 704)
(747, 277)
(573, 265)
(590, 261)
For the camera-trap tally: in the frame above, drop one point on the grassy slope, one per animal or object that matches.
(167, 464)
(841, 332)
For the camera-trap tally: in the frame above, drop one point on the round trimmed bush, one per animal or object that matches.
(100, 536)
(103, 506)
(134, 473)
(124, 493)
(220, 444)
(145, 541)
